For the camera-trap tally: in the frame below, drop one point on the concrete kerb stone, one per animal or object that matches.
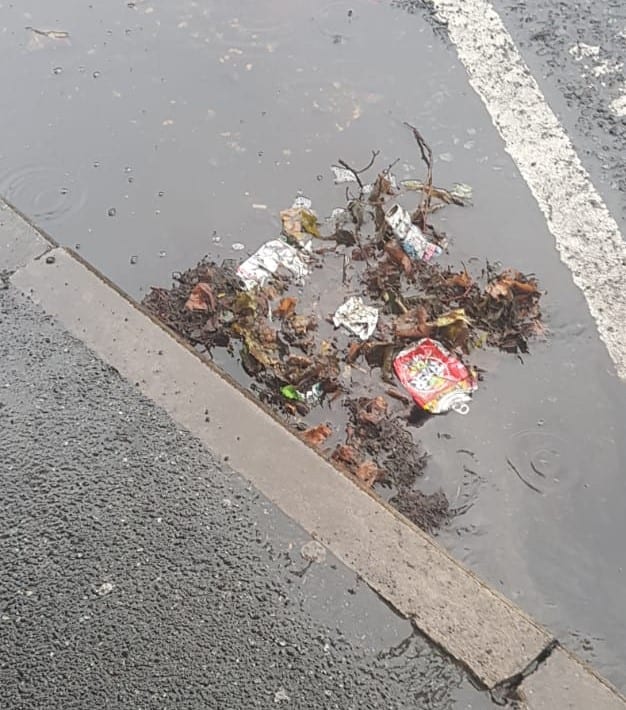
(20, 241)
(484, 631)
(452, 606)
(565, 683)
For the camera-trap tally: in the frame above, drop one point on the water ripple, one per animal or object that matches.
(43, 192)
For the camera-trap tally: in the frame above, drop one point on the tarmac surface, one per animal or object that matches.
(576, 51)
(122, 148)
(140, 571)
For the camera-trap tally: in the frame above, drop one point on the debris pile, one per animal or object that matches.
(350, 329)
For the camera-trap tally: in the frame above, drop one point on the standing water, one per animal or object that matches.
(153, 134)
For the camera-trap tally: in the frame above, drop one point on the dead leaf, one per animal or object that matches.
(399, 256)
(413, 324)
(354, 350)
(243, 302)
(271, 293)
(462, 280)
(382, 186)
(345, 454)
(396, 394)
(201, 298)
(298, 220)
(369, 473)
(454, 316)
(302, 324)
(317, 435)
(326, 348)
(373, 411)
(453, 327)
(345, 237)
(309, 222)
(260, 348)
(511, 283)
(286, 307)
(266, 335)
(300, 361)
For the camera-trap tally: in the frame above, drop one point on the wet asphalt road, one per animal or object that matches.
(156, 134)
(138, 571)
(576, 51)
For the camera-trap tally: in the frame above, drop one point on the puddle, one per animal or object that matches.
(184, 119)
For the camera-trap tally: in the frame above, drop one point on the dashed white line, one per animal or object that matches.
(587, 237)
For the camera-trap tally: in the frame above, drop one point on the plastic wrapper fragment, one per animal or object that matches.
(410, 235)
(265, 262)
(356, 317)
(436, 380)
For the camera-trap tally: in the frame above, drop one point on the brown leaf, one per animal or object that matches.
(511, 283)
(286, 307)
(498, 289)
(317, 435)
(301, 361)
(413, 324)
(354, 350)
(369, 473)
(201, 298)
(363, 253)
(302, 324)
(396, 394)
(373, 411)
(271, 293)
(346, 454)
(399, 256)
(462, 279)
(266, 335)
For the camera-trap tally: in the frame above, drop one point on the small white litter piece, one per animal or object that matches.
(356, 317)
(256, 270)
(342, 175)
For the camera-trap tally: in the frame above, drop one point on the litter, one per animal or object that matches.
(435, 379)
(357, 317)
(342, 175)
(302, 201)
(50, 34)
(314, 395)
(311, 397)
(407, 319)
(410, 235)
(462, 191)
(265, 262)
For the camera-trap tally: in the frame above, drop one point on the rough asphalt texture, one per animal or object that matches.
(136, 571)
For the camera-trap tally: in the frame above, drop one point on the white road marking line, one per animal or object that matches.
(587, 237)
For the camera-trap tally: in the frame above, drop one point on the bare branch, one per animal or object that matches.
(356, 172)
(427, 157)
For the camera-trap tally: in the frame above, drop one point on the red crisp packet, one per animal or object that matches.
(435, 379)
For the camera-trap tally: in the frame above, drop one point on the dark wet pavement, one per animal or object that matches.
(576, 52)
(157, 134)
(140, 571)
